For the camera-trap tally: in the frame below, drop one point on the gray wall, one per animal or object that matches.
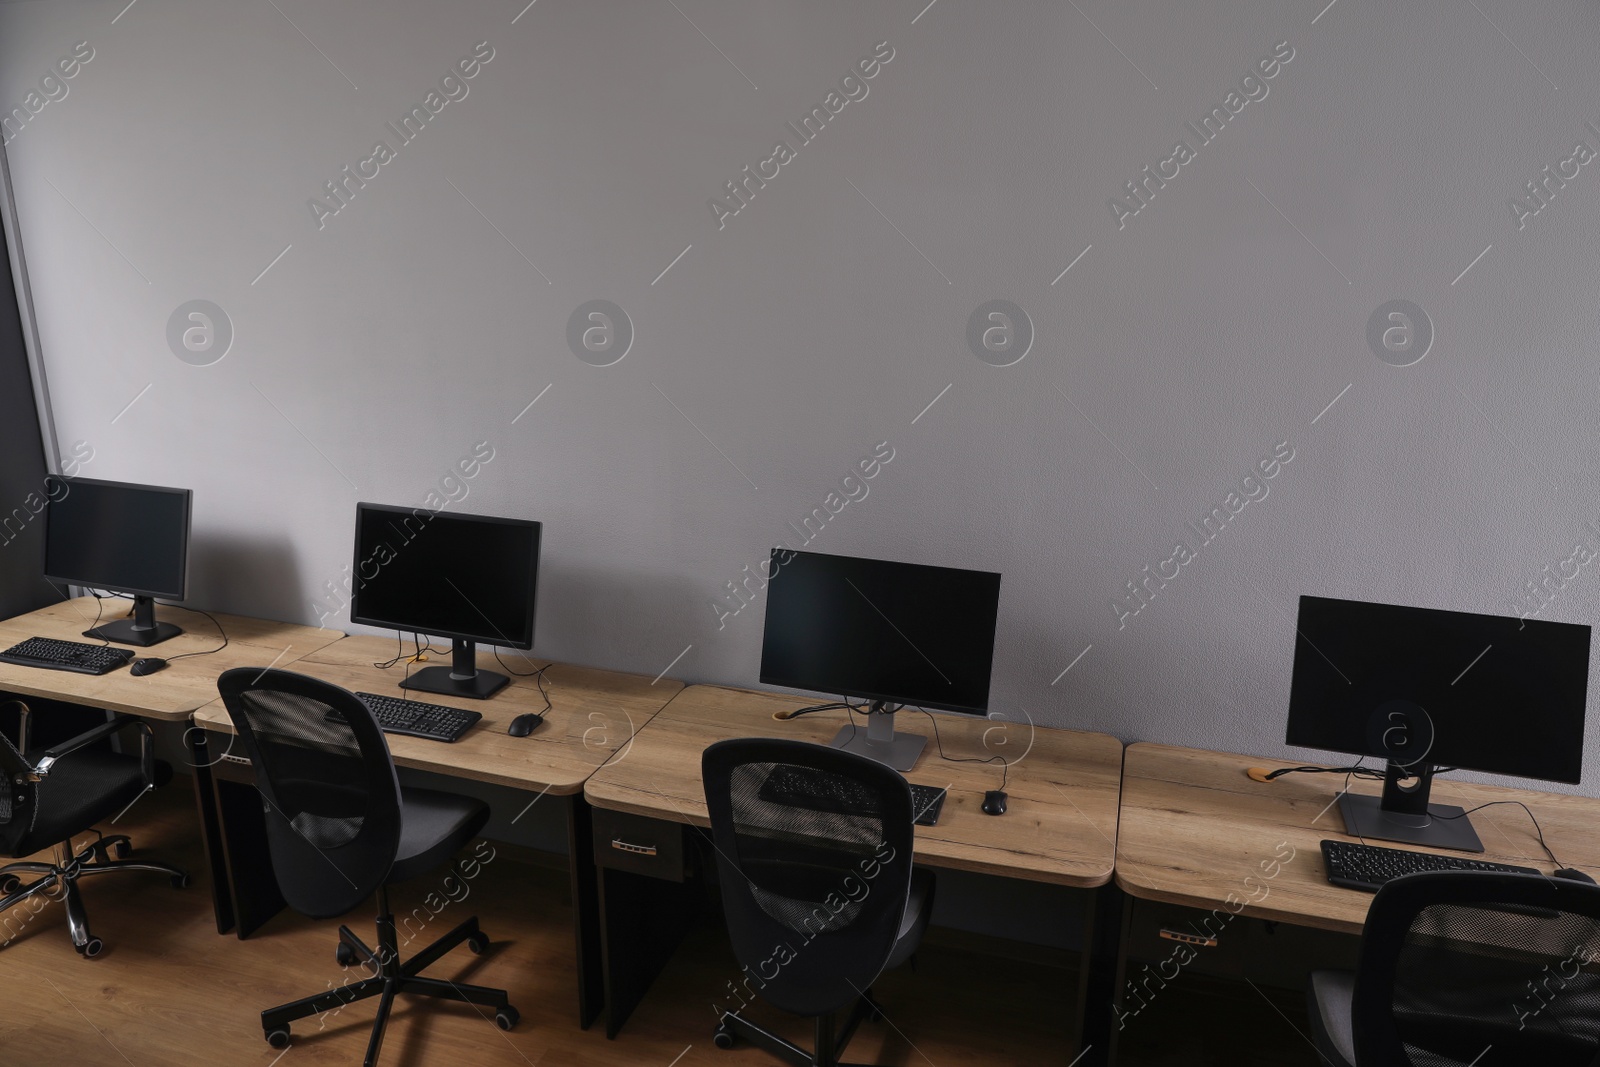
(1176, 353)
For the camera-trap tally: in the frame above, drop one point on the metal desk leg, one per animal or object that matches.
(1100, 975)
(205, 798)
(585, 909)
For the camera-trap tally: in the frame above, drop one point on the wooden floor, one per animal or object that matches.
(169, 991)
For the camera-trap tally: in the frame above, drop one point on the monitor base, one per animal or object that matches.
(898, 750)
(481, 685)
(1445, 825)
(127, 632)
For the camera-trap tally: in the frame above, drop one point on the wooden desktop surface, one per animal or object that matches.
(594, 714)
(1060, 825)
(1194, 827)
(172, 694)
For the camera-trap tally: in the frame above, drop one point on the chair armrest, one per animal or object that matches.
(47, 759)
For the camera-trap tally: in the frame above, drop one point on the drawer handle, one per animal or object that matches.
(638, 850)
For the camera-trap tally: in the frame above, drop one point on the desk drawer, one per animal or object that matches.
(639, 845)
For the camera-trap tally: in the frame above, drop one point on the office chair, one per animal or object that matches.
(340, 827)
(814, 860)
(48, 797)
(1462, 968)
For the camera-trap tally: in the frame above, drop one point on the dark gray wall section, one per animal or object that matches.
(22, 469)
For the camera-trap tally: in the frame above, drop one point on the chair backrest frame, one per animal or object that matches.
(330, 793)
(1386, 938)
(813, 919)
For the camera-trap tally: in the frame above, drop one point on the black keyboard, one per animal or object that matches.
(416, 719)
(798, 788)
(1368, 867)
(73, 656)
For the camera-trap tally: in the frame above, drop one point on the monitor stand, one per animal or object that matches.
(879, 740)
(142, 630)
(1403, 813)
(461, 679)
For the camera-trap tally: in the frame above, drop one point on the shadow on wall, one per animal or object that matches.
(578, 609)
(256, 576)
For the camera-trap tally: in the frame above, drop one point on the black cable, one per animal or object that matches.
(399, 652)
(1373, 772)
(99, 607)
(813, 709)
(537, 674)
(419, 649)
(1537, 828)
(1358, 771)
(1005, 764)
(220, 633)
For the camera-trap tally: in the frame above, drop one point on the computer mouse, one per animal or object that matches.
(523, 725)
(994, 802)
(1574, 875)
(142, 667)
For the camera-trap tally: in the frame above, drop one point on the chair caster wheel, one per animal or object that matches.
(9, 884)
(180, 881)
(507, 1017)
(478, 944)
(346, 955)
(91, 948)
(723, 1038)
(278, 1038)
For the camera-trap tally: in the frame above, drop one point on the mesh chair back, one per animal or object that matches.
(328, 787)
(1475, 968)
(814, 858)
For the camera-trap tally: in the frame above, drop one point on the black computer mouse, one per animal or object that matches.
(523, 725)
(994, 802)
(1574, 875)
(142, 667)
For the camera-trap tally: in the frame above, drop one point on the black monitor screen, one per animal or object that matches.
(459, 576)
(897, 632)
(116, 536)
(1442, 688)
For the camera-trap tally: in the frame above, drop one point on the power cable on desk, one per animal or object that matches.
(1373, 773)
(400, 651)
(855, 709)
(220, 633)
(1005, 764)
(99, 608)
(537, 674)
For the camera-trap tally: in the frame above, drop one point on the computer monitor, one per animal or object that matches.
(471, 578)
(887, 633)
(1423, 689)
(122, 538)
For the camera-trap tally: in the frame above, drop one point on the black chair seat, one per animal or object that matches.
(919, 908)
(82, 789)
(433, 827)
(1332, 1020)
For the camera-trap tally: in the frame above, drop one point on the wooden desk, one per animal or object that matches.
(1194, 827)
(593, 716)
(171, 695)
(1060, 825)
(1197, 832)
